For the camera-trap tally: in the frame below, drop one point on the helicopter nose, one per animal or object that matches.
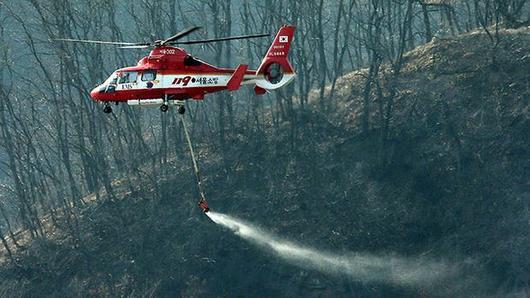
(95, 94)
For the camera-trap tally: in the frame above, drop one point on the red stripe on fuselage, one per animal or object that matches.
(174, 93)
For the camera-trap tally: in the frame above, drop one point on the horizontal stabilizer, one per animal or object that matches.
(259, 91)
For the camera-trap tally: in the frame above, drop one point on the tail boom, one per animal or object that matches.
(275, 70)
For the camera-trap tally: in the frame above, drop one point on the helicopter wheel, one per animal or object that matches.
(107, 109)
(164, 108)
(182, 110)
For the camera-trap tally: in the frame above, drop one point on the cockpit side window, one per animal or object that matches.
(128, 77)
(123, 77)
(149, 75)
(190, 61)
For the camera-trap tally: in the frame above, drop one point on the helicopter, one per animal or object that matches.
(170, 76)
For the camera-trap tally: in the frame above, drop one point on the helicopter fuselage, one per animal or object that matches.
(171, 74)
(167, 71)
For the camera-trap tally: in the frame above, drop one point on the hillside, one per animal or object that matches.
(446, 178)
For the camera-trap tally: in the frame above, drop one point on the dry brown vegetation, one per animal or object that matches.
(446, 179)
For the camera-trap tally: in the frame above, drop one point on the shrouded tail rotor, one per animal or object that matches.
(275, 70)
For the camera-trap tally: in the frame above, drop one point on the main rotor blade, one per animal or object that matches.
(136, 46)
(96, 41)
(180, 35)
(220, 39)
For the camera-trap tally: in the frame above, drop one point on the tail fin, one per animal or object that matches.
(275, 70)
(235, 80)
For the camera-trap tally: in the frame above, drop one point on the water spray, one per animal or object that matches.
(361, 267)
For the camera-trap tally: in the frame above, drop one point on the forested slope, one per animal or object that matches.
(437, 167)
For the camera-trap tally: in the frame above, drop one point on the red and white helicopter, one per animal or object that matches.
(169, 75)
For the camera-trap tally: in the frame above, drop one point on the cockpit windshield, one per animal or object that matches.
(112, 80)
(109, 85)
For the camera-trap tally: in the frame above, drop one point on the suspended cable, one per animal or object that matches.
(202, 201)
